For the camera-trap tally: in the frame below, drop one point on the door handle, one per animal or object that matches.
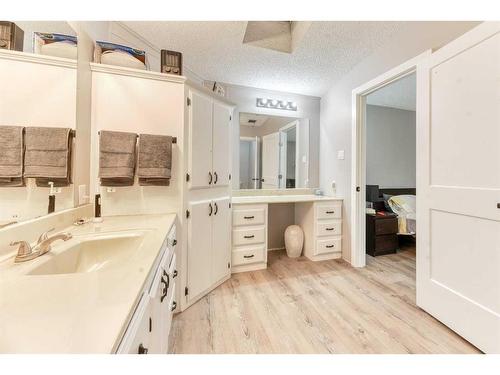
(498, 205)
(174, 306)
(166, 284)
(216, 208)
(211, 209)
(251, 236)
(215, 177)
(210, 178)
(174, 275)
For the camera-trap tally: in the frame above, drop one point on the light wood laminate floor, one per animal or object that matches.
(300, 306)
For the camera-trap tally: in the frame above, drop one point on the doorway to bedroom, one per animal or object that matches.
(390, 152)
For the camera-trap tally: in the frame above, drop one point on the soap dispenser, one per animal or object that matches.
(52, 198)
(97, 207)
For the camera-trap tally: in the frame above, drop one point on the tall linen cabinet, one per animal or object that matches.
(207, 254)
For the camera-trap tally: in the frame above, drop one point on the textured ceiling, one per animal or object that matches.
(400, 94)
(259, 119)
(214, 51)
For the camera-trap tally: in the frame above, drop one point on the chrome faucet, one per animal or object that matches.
(26, 252)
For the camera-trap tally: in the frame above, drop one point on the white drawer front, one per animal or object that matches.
(249, 217)
(328, 246)
(248, 255)
(331, 211)
(248, 236)
(330, 228)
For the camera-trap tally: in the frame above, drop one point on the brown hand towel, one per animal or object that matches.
(11, 156)
(116, 158)
(155, 160)
(48, 155)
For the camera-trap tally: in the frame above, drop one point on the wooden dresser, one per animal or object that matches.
(381, 234)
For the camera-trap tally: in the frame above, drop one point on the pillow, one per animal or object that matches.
(386, 203)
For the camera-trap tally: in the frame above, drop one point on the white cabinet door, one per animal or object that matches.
(200, 141)
(458, 214)
(221, 239)
(221, 143)
(141, 343)
(199, 247)
(270, 161)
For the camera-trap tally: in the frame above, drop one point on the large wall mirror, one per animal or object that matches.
(38, 75)
(274, 152)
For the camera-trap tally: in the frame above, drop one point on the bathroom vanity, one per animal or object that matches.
(320, 218)
(108, 289)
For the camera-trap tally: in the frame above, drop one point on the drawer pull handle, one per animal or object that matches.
(329, 228)
(249, 217)
(174, 275)
(251, 236)
(248, 256)
(210, 178)
(174, 306)
(330, 212)
(174, 242)
(329, 246)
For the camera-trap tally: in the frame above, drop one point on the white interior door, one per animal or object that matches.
(200, 141)
(199, 247)
(458, 131)
(221, 239)
(283, 158)
(221, 144)
(270, 161)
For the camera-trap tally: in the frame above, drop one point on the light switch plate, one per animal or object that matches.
(341, 155)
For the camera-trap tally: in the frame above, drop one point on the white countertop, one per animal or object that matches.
(285, 198)
(78, 312)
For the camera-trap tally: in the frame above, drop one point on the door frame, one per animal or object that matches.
(256, 168)
(358, 151)
(283, 151)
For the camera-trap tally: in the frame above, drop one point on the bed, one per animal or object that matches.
(401, 201)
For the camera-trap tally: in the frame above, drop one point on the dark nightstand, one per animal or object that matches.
(381, 234)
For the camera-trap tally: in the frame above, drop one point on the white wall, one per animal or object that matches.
(308, 110)
(336, 104)
(390, 147)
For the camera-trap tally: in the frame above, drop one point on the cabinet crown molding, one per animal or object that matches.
(130, 72)
(37, 59)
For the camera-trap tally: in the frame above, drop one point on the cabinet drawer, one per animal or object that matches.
(331, 211)
(387, 242)
(328, 246)
(249, 217)
(328, 228)
(386, 226)
(248, 236)
(248, 255)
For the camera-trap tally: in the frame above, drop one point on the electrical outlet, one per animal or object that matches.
(57, 190)
(83, 198)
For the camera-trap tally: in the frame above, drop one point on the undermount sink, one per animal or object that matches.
(91, 254)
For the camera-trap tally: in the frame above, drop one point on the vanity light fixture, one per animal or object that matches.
(276, 104)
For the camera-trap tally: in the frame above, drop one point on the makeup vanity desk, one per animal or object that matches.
(320, 217)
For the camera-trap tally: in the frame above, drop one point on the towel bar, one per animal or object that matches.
(174, 139)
